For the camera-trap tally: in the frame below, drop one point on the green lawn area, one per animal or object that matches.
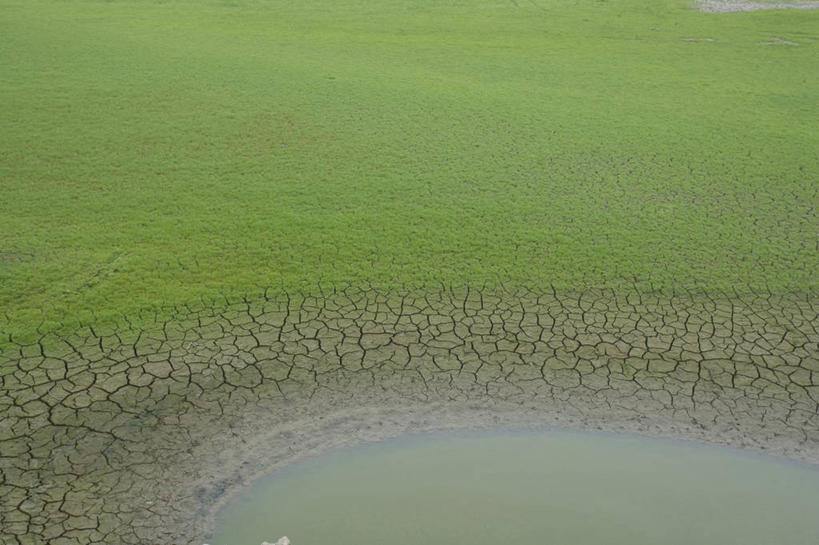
(160, 152)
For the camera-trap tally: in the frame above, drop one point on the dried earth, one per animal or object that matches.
(731, 6)
(136, 436)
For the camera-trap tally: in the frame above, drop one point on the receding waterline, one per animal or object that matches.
(555, 487)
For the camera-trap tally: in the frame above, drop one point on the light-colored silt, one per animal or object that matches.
(731, 6)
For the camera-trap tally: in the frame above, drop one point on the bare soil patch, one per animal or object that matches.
(731, 6)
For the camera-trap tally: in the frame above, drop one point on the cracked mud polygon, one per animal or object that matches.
(114, 441)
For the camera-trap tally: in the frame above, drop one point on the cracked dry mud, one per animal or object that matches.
(126, 436)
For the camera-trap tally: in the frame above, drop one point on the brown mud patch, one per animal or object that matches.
(137, 436)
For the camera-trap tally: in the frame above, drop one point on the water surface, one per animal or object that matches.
(554, 487)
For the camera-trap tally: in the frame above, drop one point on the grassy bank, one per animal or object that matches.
(155, 153)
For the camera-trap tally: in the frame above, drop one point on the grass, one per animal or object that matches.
(158, 152)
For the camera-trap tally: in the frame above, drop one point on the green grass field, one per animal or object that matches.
(160, 152)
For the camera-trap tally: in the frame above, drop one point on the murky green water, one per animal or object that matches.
(560, 488)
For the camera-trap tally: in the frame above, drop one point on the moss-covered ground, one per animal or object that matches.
(155, 153)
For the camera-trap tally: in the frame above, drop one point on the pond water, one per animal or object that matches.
(556, 487)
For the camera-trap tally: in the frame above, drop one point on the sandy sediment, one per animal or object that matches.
(731, 6)
(133, 437)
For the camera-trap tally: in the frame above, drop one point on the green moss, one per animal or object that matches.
(155, 153)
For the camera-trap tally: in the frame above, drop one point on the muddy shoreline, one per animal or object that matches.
(139, 436)
(356, 426)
